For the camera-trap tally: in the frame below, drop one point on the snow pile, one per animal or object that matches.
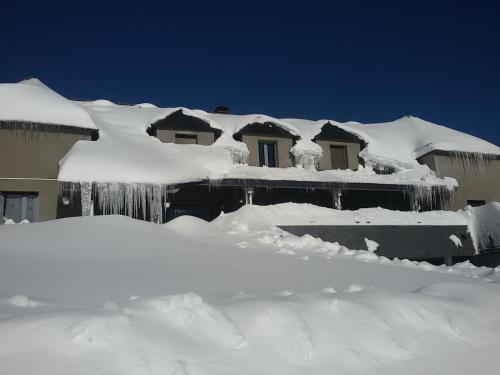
(307, 154)
(32, 102)
(484, 224)
(371, 245)
(309, 214)
(238, 150)
(456, 241)
(192, 297)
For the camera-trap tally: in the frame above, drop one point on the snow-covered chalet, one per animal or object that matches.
(61, 157)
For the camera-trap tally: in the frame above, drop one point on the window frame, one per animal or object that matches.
(21, 194)
(185, 136)
(265, 143)
(476, 202)
(332, 159)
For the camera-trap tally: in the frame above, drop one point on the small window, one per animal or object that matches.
(339, 157)
(186, 139)
(268, 154)
(18, 207)
(475, 203)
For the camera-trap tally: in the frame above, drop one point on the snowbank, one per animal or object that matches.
(309, 214)
(193, 297)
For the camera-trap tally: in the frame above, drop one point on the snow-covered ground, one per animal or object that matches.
(112, 295)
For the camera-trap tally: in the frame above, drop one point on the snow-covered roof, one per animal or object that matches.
(125, 153)
(33, 102)
(406, 139)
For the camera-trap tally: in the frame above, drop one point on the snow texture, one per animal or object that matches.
(371, 245)
(456, 241)
(32, 102)
(232, 296)
(484, 224)
(309, 214)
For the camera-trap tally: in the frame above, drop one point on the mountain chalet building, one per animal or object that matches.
(61, 158)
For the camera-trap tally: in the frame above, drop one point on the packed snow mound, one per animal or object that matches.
(484, 225)
(145, 298)
(187, 225)
(309, 214)
(32, 102)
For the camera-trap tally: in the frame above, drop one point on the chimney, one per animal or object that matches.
(222, 109)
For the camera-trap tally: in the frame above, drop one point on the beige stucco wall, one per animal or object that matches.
(30, 163)
(284, 145)
(353, 150)
(168, 136)
(479, 181)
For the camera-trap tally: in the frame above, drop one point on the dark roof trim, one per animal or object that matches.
(195, 124)
(286, 184)
(34, 127)
(461, 154)
(267, 128)
(331, 132)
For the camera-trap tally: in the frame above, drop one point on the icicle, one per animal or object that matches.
(238, 156)
(472, 159)
(427, 197)
(307, 154)
(67, 192)
(337, 199)
(86, 198)
(307, 161)
(33, 131)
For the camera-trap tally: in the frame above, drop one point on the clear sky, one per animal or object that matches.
(368, 61)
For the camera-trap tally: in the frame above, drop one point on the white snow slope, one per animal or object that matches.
(111, 295)
(33, 102)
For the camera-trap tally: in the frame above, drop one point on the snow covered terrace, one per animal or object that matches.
(124, 153)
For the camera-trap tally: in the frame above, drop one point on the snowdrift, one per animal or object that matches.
(309, 214)
(115, 295)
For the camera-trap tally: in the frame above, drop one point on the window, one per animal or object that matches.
(268, 154)
(186, 139)
(339, 157)
(18, 207)
(475, 203)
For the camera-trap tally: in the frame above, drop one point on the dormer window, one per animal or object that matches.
(340, 148)
(268, 154)
(268, 144)
(186, 139)
(183, 129)
(339, 157)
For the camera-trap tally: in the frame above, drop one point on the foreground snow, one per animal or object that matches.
(117, 296)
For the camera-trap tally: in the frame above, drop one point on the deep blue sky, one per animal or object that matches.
(367, 61)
